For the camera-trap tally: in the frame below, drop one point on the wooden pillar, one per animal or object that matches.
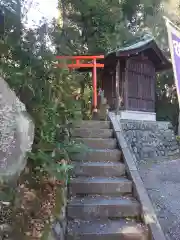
(117, 86)
(126, 94)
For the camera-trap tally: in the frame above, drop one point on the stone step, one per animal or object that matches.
(92, 133)
(103, 207)
(98, 143)
(106, 230)
(93, 124)
(90, 169)
(99, 155)
(100, 185)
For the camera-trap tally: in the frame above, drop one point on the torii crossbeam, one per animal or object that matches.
(93, 64)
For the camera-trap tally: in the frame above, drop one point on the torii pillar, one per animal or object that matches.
(93, 64)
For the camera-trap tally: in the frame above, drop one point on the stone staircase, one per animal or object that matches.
(101, 205)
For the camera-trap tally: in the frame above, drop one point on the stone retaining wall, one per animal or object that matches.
(150, 140)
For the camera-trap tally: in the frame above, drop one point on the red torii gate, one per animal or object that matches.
(93, 64)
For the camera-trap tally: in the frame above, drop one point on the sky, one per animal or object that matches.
(42, 8)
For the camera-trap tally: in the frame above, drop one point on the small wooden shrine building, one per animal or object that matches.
(129, 79)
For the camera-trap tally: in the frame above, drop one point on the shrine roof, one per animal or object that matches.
(148, 47)
(135, 46)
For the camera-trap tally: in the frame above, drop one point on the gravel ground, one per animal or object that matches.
(162, 181)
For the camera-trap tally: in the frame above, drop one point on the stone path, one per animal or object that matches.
(162, 180)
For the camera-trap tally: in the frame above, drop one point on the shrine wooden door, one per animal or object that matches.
(140, 86)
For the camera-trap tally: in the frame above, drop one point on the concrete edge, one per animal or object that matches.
(148, 213)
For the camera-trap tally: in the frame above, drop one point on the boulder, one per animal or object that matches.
(16, 134)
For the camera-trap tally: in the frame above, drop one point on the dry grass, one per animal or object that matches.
(35, 205)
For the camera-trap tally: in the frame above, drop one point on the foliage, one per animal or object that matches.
(99, 26)
(178, 138)
(28, 65)
(57, 163)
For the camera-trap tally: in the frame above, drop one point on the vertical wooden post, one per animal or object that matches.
(117, 86)
(126, 102)
(94, 86)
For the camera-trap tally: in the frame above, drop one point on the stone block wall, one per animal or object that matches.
(150, 140)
